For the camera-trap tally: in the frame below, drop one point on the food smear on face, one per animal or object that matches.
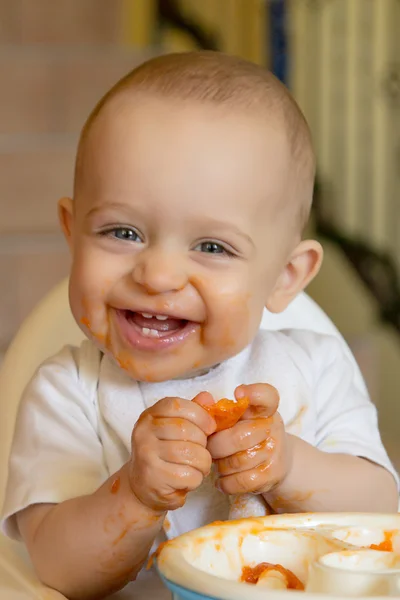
(85, 321)
(98, 336)
(386, 545)
(253, 575)
(227, 413)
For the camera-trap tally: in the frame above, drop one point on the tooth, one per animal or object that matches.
(146, 315)
(161, 317)
(150, 332)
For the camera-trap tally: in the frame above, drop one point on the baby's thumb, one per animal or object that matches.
(263, 399)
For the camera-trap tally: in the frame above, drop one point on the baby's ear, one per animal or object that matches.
(65, 216)
(302, 267)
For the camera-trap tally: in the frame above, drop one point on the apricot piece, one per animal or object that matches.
(227, 412)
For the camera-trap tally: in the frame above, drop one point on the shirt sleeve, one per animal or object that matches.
(56, 452)
(347, 420)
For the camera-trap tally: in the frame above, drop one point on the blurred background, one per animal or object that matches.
(341, 59)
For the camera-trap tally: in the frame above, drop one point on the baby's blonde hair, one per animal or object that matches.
(213, 77)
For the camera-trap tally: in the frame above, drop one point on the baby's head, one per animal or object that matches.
(193, 183)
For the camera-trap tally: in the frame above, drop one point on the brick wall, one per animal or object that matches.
(57, 57)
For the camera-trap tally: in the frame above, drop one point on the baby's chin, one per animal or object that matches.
(154, 372)
(160, 375)
(196, 373)
(159, 367)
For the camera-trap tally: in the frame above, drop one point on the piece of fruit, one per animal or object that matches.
(227, 412)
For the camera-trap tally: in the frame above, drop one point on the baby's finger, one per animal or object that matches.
(180, 477)
(250, 481)
(246, 459)
(242, 436)
(264, 399)
(168, 490)
(186, 453)
(177, 429)
(184, 409)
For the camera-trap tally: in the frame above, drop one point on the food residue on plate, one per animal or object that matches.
(264, 569)
(386, 545)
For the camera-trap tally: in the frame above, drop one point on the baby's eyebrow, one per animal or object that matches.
(107, 206)
(230, 228)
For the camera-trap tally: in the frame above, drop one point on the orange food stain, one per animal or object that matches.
(138, 370)
(386, 545)
(177, 421)
(227, 413)
(257, 525)
(257, 529)
(150, 519)
(85, 321)
(121, 535)
(280, 503)
(124, 363)
(116, 484)
(252, 575)
(100, 337)
(299, 417)
(250, 453)
(131, 525)
(167, 525)
(239, 503)
(155, 554)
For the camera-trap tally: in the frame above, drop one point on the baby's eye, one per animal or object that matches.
(123, 233)
(211, 248)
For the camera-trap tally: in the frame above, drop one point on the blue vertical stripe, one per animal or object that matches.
(278, 37)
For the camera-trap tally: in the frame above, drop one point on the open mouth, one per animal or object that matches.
(150, 332)
(154, 326)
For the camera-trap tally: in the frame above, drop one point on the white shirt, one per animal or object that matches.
(77, 414)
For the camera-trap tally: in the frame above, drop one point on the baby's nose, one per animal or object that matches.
(160, 274)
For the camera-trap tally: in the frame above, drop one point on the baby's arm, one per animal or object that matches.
(348, 468)
(322, 482)
(92, 545)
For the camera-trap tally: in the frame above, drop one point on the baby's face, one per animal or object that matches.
(177, 243)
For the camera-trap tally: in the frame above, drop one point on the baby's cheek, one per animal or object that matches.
(90, 312)
(236, 324)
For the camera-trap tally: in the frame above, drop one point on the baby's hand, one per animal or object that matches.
(253, 455)
(169, 455)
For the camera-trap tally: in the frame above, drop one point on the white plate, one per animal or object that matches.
(209, 561)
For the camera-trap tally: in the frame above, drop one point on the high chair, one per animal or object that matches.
(49, 327)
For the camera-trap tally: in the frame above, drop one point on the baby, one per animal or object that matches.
(193, 183)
